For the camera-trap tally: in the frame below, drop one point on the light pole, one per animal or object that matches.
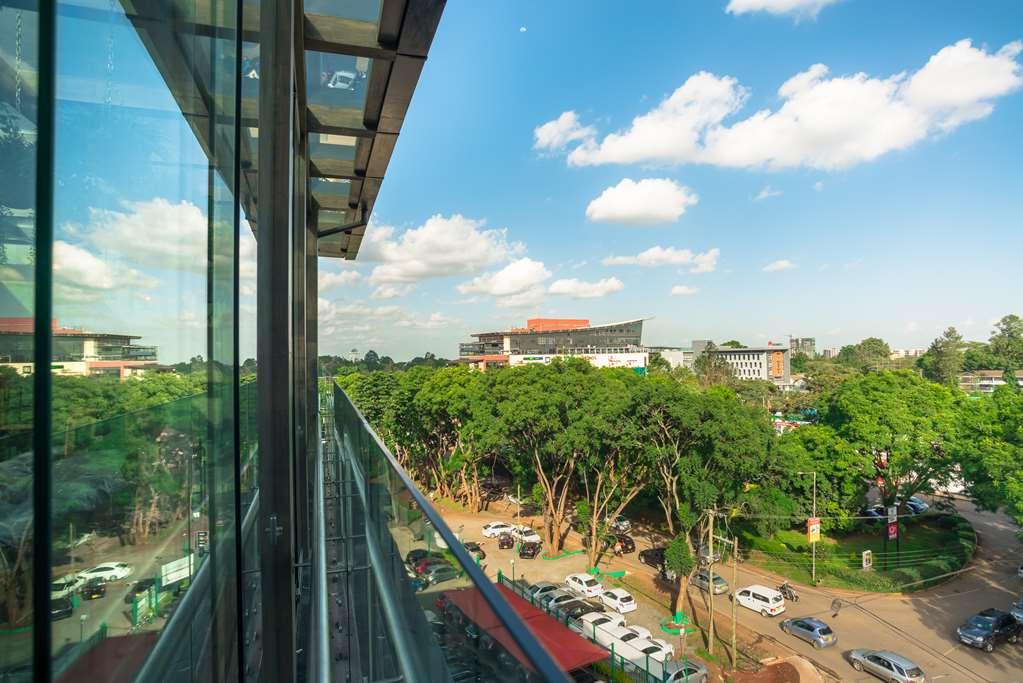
(813, 544)
(513, 570)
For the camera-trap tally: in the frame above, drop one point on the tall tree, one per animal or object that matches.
(711, 368)
(870, 354)
(1007, 341)
(943, 361)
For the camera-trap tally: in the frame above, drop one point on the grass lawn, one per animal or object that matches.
(930, 546)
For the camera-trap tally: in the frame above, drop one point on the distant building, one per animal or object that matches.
(897, 354)
(807, 345)
(75, 351)
(985, 381)
(542, 339)
(829, 353)
(769, 362)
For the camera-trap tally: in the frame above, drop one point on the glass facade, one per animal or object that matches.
(170, 173)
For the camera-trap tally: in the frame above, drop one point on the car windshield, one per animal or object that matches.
(776, 599)
(629, 636)
(589, 583)
(625, 598)
(914, 671)
(982, 623)
(825, 631)
(650, 649)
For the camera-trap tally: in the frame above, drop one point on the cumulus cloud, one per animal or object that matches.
(327, 280)
(823, 121)
(579, 289)
(442, 246)
(767, 193)
(818, 186)
(343, 317)
(780, 264)
(82, 276)
(522, 29)
(156, 233)
(390, 291)
(434, 322)
(556, 134)
(515, 278)
(645, 202)
(683, 290)
(799, 8)
(669, 256)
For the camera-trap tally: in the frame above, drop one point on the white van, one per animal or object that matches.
(767, 601)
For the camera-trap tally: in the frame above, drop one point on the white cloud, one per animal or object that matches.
(434, 322)
(154, 233)
(390, 291)
(82, 276)
(442, 246)
(515, 278)
(818, 186)
(530, 298)
(912, 326)
(767, 193)
(522, 29)
(822, 122)
(646, 202)
(683, 290)
(580, 289)
(834, 331)
(561, 131)
(780, 264)
(327, 280)
(669, 256)
(969, 322)
(800, 8)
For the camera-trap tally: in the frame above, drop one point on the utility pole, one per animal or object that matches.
(813, 545)
(710, 575)
(735, 605)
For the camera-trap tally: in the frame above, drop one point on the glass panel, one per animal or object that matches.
(330, 193)
(336, 88)
(332, 155)
(357, 11)
(19, 28)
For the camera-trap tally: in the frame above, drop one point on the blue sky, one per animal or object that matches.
(896, 224)
(834, 169)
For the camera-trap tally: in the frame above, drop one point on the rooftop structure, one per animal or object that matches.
(544, 338)
(986, 381)
(770, 362)
(75, 351)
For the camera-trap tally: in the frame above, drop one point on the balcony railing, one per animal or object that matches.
(392, 623)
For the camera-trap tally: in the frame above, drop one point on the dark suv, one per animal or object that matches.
(529, 550)
(988, 629)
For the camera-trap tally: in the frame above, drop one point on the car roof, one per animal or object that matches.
(617, 592)
(590, 616)
(578, 575)
(543, 584)
(992, 612)
(894, 657)
(761, 589)
(813, 621)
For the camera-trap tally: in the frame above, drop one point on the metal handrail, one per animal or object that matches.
(536, 653)
(319, 660)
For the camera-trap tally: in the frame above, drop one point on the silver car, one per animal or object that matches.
(887, 666)
(689, 671)
(702, 581)
(813, 631)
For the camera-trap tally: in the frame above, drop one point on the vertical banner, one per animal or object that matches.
(893, 531)
(813, 529)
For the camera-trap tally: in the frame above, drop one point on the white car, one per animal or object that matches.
(65, 586)
(584, 585)
(619, 600)
(494, 529)
(640, 631)
(589, 624)
(110, 571)
(620, 525)
(525, 534)
(627, 644)
(668, 648)
(767, 601)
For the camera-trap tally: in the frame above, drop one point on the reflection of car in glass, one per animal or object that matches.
(529, 550)
(440, 573)
(474, 549)
(111, 571)
(139, 589)
(505, 541)
(339, 80)
(428, 563)
(65, 586)
(702, 581)
(61, 608)
(989, 628)
(886, 665)
(813, 631)
(417, 555)
(93, 589)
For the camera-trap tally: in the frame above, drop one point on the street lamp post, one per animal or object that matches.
(813, 545)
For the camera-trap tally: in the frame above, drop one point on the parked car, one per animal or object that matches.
(813, 631)
(918, 502)
(538, 590)
(619, 600)
(988, 629)
(1019, 572)
(640, 631)
(664, 645)
(584, 584)
(65, 586)
(587, 624)
(702, 581)
(111, 571)
(61, 608)
(620, 525)
(526, 535)
(622, 544)
(626, 642)
(529, 549)
(441, 572)
(573, 609)
(474, 549)
(139, 589)
(652, 557)
(417, 555)
(1017, 610)
(767, 601)
(656, 649)
(886, 665)
(93, 589)
(558, 597)
(689, 671)
(505, 541)
(872, 514)
(496, 529)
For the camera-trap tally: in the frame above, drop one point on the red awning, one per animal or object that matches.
(570, 650)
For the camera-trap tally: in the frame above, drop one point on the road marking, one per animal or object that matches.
(954, 647)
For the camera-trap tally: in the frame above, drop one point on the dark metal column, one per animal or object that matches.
(303, 454)
(274, 332)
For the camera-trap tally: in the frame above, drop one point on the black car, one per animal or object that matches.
(139, 589)
(989, 628)
(61, 608)
(417, 555)
(505, 541)
(93, 589)
(574, 609)
(474, 547)
(623, 543)
(529, 550)
(652, 557)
